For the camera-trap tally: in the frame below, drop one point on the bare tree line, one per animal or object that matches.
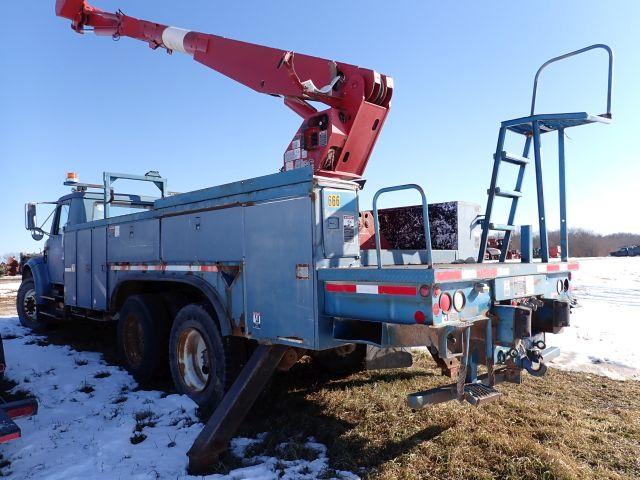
(585, 243)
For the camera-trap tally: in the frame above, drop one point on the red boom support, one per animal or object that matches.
(337, 141)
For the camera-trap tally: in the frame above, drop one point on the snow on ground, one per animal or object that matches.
(94, 423)
(605, 328)
(9, 286)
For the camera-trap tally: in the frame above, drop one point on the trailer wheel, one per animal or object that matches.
(27, 307)
(199, 358)
(143, 332)
(342, 360)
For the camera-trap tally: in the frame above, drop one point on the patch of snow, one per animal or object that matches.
(89, 411)
(604, 332)
(9, 286)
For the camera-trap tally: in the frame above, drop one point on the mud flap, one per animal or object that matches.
(383, 358)
(552, 317)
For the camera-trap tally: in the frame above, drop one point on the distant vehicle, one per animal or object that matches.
(631, 251)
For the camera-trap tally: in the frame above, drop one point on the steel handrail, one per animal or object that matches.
(571, 54)
(425, 214)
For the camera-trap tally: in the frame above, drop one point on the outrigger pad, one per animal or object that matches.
(227, 417)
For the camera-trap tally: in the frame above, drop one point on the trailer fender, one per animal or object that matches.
(36, 267)
(205, 288)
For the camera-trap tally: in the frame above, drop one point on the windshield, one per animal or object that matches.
(116, 209)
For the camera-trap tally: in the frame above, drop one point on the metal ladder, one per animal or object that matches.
(532, 127)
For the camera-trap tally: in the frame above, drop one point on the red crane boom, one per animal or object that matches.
(336, 141)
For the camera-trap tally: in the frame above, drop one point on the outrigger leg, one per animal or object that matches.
(227, 417)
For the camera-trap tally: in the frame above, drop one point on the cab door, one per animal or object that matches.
(54, 247)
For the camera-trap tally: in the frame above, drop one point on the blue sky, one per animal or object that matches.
(88, 104)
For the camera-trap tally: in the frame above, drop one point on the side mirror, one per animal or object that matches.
(37, 234)
(31, 222)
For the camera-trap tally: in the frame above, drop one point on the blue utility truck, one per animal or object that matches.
(225, 284)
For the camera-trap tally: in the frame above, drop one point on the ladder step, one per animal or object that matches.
(505, 193)
(504, 228)
(479, 394)
(513, 158)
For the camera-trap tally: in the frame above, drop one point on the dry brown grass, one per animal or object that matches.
(562, 426)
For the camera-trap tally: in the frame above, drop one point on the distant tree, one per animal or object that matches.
(584, 243)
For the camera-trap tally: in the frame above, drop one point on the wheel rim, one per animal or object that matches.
(29, 304)
(193, 360)
(133, 340)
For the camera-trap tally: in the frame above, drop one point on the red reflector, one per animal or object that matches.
(21, 412)
(336, 287)
(445, 302)
(11, 436)
(424, 291)
(419, 317)
(396, 290)
(444, 275)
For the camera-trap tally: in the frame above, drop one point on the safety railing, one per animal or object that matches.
(571, 54)
(425, 214)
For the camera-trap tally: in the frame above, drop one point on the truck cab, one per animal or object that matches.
(46, 272)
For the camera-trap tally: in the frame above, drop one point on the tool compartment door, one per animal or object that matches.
(83, 268)
(280, 298)
(70, 268)
(340, 223)
(99, 268)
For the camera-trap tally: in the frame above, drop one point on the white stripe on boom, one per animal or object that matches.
(173, 38)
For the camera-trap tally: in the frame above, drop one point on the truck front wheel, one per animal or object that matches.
(199, 357)
(27, 307)
(143, 332)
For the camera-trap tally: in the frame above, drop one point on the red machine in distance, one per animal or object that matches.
(336, 142)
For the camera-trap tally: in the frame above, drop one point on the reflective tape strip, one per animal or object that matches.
(369, 289)
(445, 275)
(502, 272)
(468, 274)
(483, 273)
(162, 267)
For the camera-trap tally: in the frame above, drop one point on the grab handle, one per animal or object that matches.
(425, 214)
(571, 54)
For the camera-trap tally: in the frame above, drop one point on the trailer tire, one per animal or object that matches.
(199, 357)
(342, 360)
(143, 334)
(27, 307)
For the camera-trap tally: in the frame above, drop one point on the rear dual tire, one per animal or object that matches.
(201, 362)
(143, 331)
(199, 357)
